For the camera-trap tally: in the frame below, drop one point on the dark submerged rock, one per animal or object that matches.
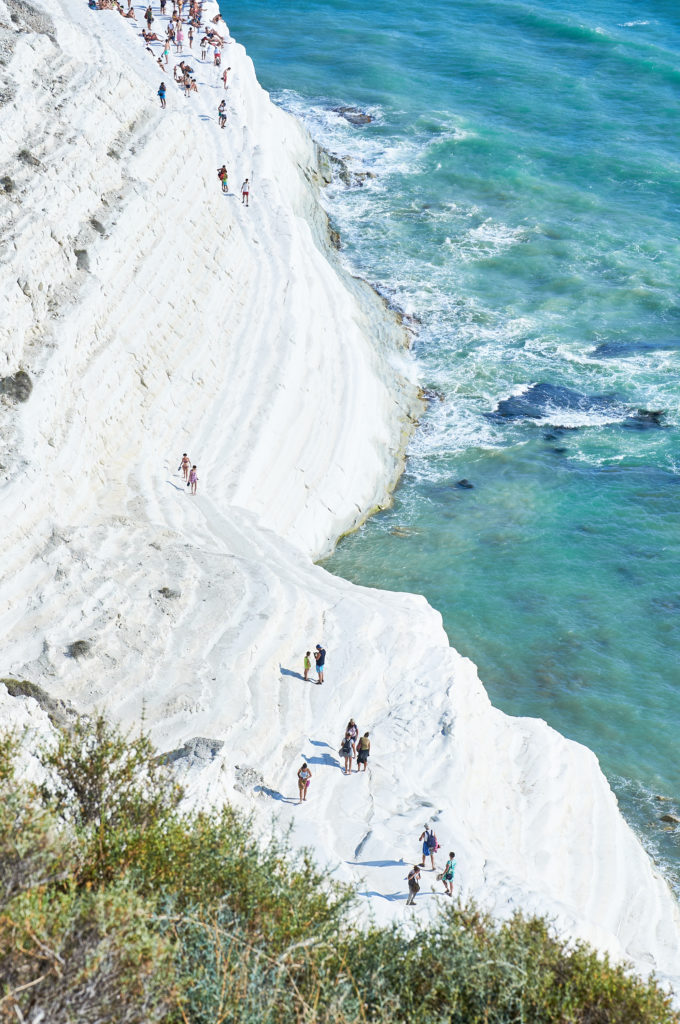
(541, 399)
(616, 349)
(355, 115)
(465, 485)
(645, 419)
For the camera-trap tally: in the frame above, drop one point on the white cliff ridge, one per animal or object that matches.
(153, 315)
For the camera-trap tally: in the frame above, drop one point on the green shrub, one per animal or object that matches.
(118, 907)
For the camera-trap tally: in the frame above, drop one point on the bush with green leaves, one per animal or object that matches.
(119, 907)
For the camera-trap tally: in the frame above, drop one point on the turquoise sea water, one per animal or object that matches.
(525, 210)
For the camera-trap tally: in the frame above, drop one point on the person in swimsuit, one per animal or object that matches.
(363, 750)
(193, 479)
(304, 777)
(222, 113)
(224, 76)
(161, 96)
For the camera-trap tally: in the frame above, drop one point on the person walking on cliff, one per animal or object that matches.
(245, 194)
(224, 76)
(353, 730)
(184, 465)
(307, 664)
(224, 177)
(161, 94)
(304, 778)
(320, 659)
(448, 873)
(148, 17)
(193, 479)
(430, 845)
(363, 750)
(222, 113)
(347, 751)
(413, 885)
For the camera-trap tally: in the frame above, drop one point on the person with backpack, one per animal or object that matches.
(430, 845)
(448, 873)
(353, 730)
(347, 751)
(413, 885)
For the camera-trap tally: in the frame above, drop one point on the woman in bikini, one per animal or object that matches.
(304, 777)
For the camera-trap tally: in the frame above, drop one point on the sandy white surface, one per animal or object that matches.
(156, 316)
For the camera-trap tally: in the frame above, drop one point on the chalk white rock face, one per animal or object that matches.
(154, 316)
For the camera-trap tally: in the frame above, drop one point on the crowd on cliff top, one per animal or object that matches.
(183, 73)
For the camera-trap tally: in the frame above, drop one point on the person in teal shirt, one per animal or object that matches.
(449, 871)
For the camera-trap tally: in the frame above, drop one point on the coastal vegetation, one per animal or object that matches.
(119, 905)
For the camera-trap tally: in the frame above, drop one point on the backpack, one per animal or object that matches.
(432, 842)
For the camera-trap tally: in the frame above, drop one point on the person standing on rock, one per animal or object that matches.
(363, 750)
(449, 871)
(224, 177)
(222, 113)
(353, 731)
(224, 76)
(245, 193)
(347, 751)
(413, 885)
(304, 778)
(148, 17)
(161, 94)
(430, 845)
(307, 664)
(319, 656)
(193, 479)
(184, 465)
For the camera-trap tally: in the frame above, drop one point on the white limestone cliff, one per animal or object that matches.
(153, 315)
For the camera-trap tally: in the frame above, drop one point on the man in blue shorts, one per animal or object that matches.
(320, 659)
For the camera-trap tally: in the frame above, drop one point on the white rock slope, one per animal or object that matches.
(154, 316)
